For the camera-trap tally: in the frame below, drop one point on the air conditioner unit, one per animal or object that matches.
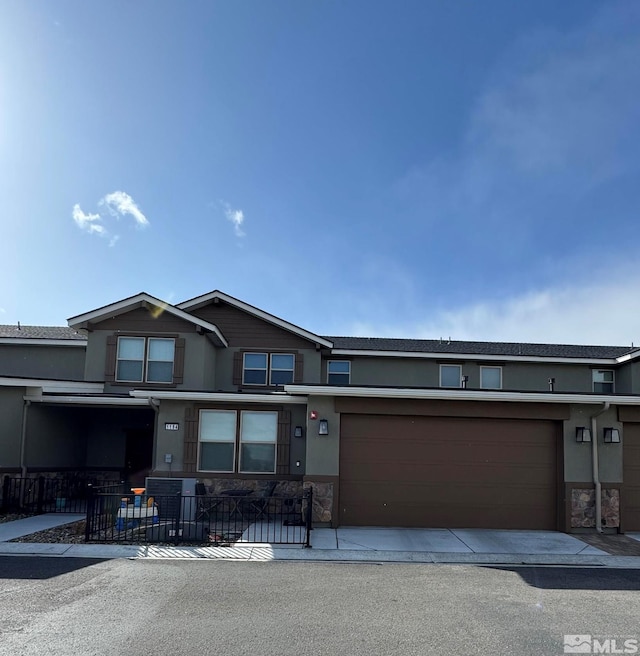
(165, 493)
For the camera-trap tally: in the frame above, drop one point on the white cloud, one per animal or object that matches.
(117, 204)
(236, 217)
(120, 203)
(88, 222)
(601, 311)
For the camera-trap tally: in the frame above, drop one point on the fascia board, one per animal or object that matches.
(472, 356)
(256, 312)
(37, 341)
(460, 395)
(276, 397)
(87, 400)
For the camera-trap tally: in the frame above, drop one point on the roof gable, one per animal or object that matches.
(218, 296)
(155, 306)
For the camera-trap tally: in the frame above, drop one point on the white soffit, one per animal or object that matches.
(226, 397)
(59, 386)
(89, 400)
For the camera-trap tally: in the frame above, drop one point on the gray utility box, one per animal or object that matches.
(165, 494)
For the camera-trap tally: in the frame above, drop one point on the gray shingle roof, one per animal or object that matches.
(39, 332)
(479, 348)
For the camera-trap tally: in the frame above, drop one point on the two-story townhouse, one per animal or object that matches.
(389, 432)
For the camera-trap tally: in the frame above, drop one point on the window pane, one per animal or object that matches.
(216, 456)
(450, 376)
(131, 348)
(339, 367)
(217, 426)
(161, 349)
(338, 379)
(490, 378)
(280, 361)
(259, 426)
(603, 388)
(255, 360)
(258, 458)
(129, 371)
(281, 377)
(255, 376)
(603, 376)
(160, 372)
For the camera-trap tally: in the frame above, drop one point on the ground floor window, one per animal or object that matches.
(238, 441)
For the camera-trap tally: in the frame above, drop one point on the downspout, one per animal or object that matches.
(23, 440)
(596, 465)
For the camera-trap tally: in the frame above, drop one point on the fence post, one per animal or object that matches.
(88, 523)
(309, 516)
(40, 502)
(6, 483)
(178, 518)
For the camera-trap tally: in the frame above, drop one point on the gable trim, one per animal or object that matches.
(123, 306)
(199, 301)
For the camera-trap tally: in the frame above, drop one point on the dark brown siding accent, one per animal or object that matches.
(497, 409)
(178, 362)
(143, 321)
(446, 473)
(190, 458)
(237, 368)
(110, 363)
(284, 436)
(242, 329)
(298, 374)
(630, 511)
(629, 413)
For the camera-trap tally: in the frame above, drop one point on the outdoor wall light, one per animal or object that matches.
(323, 427)
(465, 380)
(611, 435)
(583, 434)
(297, 431)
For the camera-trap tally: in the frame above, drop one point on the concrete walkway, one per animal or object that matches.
(374, 545)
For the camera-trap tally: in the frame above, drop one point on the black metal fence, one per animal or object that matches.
(46, 495)
(214, 521)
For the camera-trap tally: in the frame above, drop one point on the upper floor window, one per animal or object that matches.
(450, 375)
(338, 372)
(491, 377)
(603, 381)
(268, 369)
(145, 359)
(246, 446)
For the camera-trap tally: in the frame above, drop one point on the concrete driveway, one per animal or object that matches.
(462, 541)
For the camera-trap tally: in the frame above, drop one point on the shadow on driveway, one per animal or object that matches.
(33, 567)
(573, 578)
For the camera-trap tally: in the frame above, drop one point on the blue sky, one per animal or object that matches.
(418, 168)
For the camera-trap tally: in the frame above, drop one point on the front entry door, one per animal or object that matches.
(138, 455)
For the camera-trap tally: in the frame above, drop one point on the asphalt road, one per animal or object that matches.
(64, 606)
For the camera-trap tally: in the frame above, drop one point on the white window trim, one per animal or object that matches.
(148, 359)
(272, 369)
(490, 367)
(600, 382)
(145, 360)
(269, 368)
(240, 442)
(201, 442)
(118, 359)
(339, 373)
(459, 368)
(266, 367)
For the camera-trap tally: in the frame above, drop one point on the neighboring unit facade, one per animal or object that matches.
(389, 432)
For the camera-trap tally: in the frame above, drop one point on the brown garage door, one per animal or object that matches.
(631, 478)
(446, 472)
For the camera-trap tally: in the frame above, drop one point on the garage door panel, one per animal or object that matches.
(426, 471)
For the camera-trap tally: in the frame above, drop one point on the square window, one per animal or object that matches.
(258, 436)
(142, 359)
(282, 365)
(491, 377)
(338, 372)
(603, 381)
(450, 375)
(255, 369)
